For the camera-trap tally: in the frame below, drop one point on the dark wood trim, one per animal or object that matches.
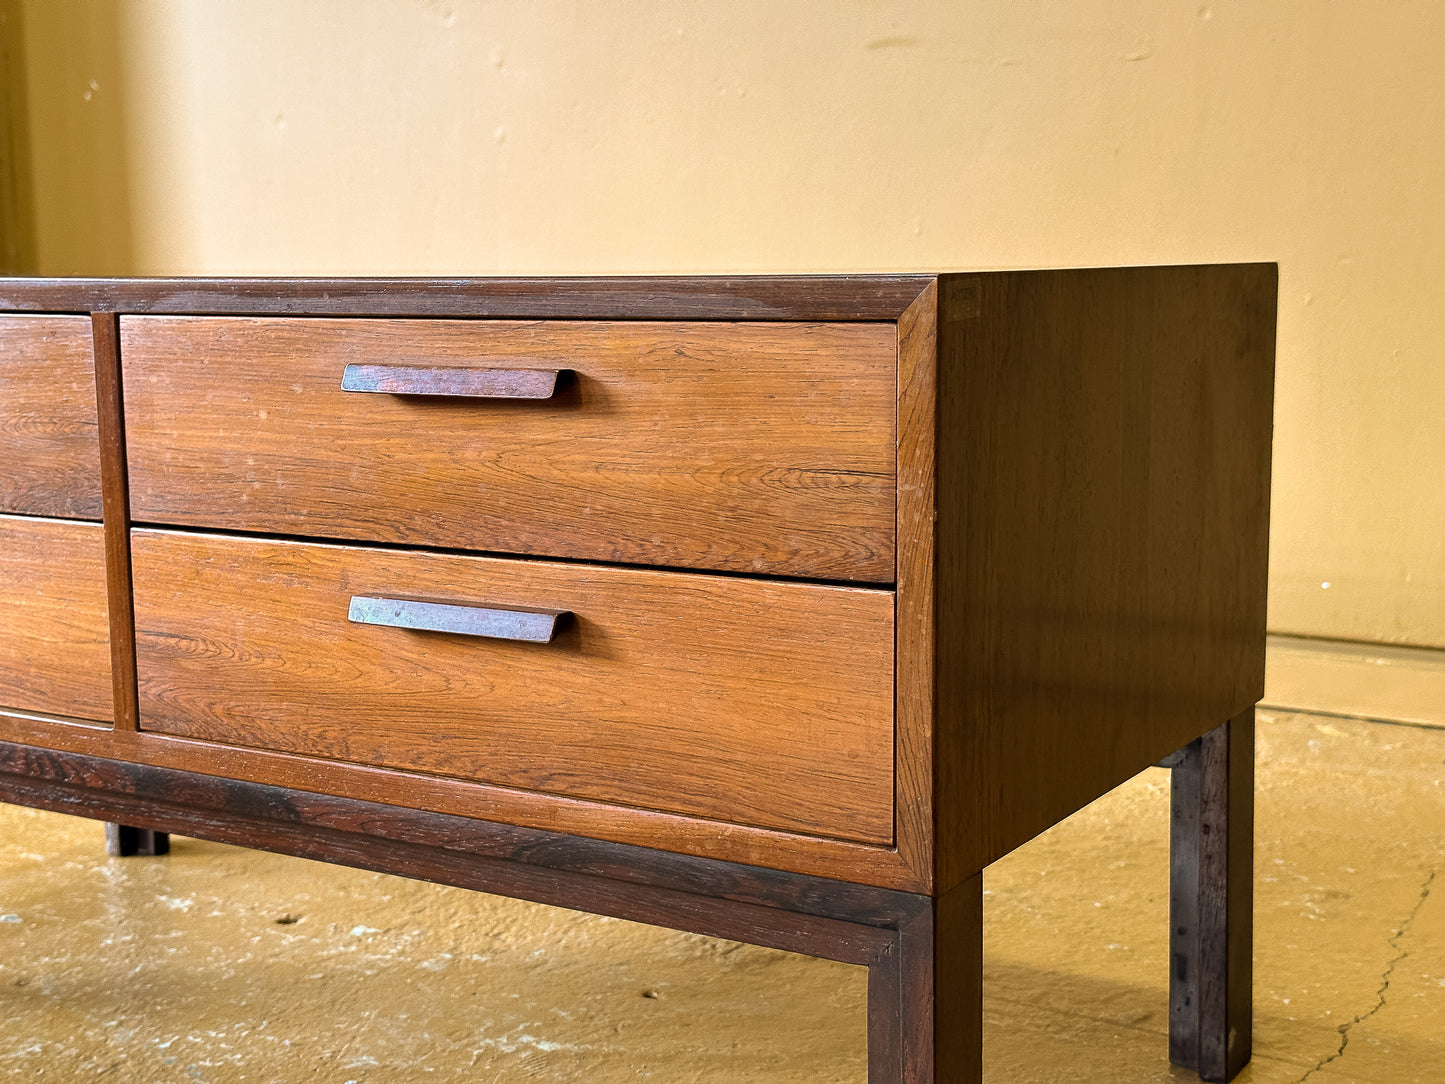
(924, 955)
(126, 841)
(115, 515)
(925, 994)
(446, 848)
(808, 855)
(734, 297)
(1226, 899)
(1185, 780)
(1211, 899)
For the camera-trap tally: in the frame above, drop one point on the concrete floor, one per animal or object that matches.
(218, 964)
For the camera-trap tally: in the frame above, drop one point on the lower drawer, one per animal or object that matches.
(55, 636)
(752, 702)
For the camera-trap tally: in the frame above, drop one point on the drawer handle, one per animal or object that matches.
(467, 383)
(531, 626)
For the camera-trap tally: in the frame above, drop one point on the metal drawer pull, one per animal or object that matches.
(468, 383)
(532, 626)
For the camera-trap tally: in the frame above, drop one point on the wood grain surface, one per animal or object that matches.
(916, 584)
(54, 640)
(760, 448)
(49, 458)
(761, 703)
(198, 804)
(1103, 501)
(644, 297)
(817, 856)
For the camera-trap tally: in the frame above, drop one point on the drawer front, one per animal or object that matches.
(741, 447)
(751, 702)
(54, 640)
(49, 450)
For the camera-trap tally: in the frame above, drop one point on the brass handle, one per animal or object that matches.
(462, 619)
(473, 383)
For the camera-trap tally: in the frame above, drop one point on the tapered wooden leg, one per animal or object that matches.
(123, 841)
(1211, 901)
(925, 995)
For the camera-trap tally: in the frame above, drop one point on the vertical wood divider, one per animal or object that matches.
(915, 701)
(115, 512)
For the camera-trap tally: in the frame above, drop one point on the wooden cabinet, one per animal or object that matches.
(774, 608)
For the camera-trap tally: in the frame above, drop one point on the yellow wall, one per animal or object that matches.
(544, 136)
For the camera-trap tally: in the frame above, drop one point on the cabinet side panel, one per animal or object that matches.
(1103, 536)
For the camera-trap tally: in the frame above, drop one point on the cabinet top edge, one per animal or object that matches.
(671, 297)
(861, 297)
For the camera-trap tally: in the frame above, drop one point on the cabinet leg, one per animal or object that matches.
(925, 995)
(1211, 900)
(123, 841)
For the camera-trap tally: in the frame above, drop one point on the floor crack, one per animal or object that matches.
(1395, 961)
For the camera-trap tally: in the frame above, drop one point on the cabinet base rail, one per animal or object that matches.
(924, 953)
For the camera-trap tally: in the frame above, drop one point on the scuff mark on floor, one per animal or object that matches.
(1395, 961)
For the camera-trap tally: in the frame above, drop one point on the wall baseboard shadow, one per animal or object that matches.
(1381, 682)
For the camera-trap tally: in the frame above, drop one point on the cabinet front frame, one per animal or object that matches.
(907, 301)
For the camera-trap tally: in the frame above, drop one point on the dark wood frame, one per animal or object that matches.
(924, 954)
(1211, 900)
(1024, 686)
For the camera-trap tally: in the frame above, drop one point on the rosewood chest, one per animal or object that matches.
(772, 608)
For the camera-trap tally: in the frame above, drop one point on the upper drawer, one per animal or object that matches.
(55, 638)
(49, 452)
(762, 448)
